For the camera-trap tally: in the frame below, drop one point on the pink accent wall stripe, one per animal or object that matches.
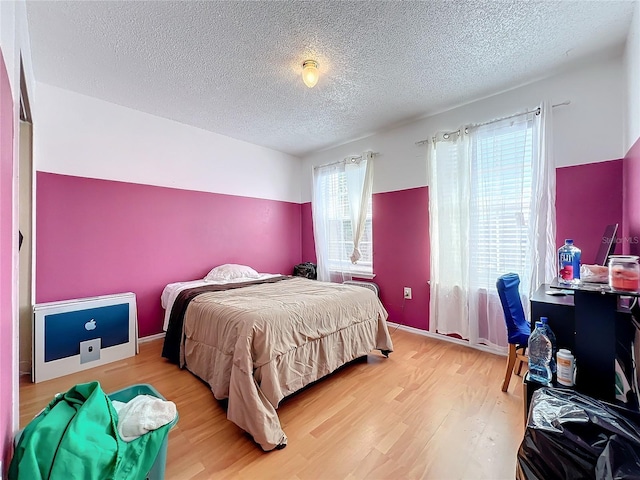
(98, 237)
(588, 198)
(6, 255)
(401, 254)
(631, 205)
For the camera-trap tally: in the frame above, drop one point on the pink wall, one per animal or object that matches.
(588, 198)
(6, 253)
(98, 237)
(401, 254)
(631, 205)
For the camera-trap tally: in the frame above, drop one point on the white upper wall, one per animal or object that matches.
(591, 129)
(82, 136)
(632, 62)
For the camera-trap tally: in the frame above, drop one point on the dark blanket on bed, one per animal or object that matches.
(173, 338)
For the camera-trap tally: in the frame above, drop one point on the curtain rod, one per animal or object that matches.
(350, 158)
(536, 111)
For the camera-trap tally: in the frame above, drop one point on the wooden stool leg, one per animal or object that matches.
(522, 359)
(511, 360)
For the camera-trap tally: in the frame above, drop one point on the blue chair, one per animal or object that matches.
(518, 328)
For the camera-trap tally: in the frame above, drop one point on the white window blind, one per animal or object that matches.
(340, 233)
(501, 201)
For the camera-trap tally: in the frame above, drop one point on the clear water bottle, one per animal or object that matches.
(539, 355)
(569, 263)
(554, 345)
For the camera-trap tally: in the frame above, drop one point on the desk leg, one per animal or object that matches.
(595, 344)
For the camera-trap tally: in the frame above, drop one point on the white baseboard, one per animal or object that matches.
(151, 338)
(439, 336)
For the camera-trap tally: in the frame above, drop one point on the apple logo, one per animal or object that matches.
(90, 325)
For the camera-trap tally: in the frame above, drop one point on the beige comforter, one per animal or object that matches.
(257, 344)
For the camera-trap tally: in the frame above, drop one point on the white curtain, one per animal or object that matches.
(322, 203)
(543, 236)
(359, 176)
(449, 233)
(341, 193)
(492, 211)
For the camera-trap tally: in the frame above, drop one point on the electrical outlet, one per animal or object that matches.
(407, 293)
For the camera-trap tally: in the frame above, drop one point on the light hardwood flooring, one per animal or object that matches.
(433, 410)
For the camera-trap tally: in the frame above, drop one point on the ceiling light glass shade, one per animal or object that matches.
(310, 73)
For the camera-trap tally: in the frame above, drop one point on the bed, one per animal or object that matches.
(257, 340)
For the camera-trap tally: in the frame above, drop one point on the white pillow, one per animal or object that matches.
(231, 271)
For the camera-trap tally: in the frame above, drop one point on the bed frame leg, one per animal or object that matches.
(385, 353)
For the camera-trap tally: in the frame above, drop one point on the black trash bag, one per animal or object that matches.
(307, 270)
(570, 435)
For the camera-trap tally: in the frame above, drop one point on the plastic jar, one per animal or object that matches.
(566, 366)
(624, 273)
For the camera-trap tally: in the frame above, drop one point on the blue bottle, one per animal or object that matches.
(540, 355)
(569, 263)
(554, 345)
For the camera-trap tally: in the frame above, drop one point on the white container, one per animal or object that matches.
(565, 367)
(75, 335)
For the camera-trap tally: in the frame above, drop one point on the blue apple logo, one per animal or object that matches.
(90, 325)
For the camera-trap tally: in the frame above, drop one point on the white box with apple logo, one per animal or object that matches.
(74, 335)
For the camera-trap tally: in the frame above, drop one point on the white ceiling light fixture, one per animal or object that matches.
(310, 73)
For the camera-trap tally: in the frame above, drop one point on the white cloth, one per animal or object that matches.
(142, 414)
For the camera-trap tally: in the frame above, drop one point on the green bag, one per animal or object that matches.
(76, 437)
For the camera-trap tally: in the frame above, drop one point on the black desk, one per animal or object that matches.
(589, 324)
(559, 311)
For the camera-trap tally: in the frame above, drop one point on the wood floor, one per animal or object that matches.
(433, 410)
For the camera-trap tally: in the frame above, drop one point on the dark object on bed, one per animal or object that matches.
(173, 337)
(306, 270)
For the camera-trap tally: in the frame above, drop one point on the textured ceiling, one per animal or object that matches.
(234, 67)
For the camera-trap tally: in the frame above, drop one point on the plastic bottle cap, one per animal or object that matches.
(568, 240)
(544, 319)
(564, 351)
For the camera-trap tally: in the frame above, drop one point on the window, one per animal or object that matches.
(340, 238)
(501, 189)
(342, 218)
(491, 197)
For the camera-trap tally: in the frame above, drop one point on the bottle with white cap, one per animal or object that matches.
(565, 367)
